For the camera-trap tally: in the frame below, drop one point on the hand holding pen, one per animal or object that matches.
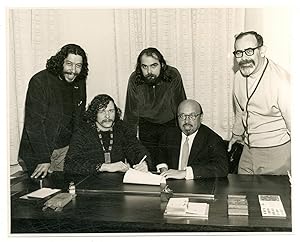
(142, 165)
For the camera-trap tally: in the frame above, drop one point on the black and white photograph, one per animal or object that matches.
(149, 121)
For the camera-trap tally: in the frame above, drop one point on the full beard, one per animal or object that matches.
(151, 79)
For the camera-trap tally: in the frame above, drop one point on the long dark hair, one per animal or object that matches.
(99, 102)
(55, 63)
(153, 52)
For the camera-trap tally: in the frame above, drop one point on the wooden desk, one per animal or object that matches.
(105, 204)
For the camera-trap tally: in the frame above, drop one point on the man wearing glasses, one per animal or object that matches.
(193, 151)
(262, 101)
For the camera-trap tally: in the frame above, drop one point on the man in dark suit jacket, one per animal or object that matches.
(194, 151)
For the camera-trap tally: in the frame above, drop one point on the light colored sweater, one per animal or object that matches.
(263, 110)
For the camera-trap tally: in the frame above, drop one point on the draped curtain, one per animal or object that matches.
(198, 42)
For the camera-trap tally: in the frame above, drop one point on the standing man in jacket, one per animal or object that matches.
(55, 100)
(263, 115)
(154, 91)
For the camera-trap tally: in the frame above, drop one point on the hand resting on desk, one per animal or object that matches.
(177, 174)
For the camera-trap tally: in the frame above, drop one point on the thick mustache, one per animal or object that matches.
(70, 72)
(246, 62)
(106, 120)
(150, 76)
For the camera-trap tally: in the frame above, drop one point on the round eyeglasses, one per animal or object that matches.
(191, 116)
(248, 52)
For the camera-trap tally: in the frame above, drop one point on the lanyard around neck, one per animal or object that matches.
(111, 141)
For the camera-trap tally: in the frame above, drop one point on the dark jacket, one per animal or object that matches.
(44, 114)
(155, 104)
(208, 155)
(86, 152)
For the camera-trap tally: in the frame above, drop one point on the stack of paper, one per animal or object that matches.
(138, 177)
(271, 206)
(237, 205)
(41, 193)
(181, 207)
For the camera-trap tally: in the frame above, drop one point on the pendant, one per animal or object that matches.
(107, 157)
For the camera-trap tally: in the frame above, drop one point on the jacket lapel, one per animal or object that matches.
(176, 142)
(197, 145)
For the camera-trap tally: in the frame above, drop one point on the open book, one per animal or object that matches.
(181, 207)
(139, 177)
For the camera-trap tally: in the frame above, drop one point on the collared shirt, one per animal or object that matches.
(189, 170)
(263, 106)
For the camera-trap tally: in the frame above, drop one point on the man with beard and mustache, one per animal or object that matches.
(194, 151)
(55, 100)
(263, 116)
(104, 143)
(154, 91)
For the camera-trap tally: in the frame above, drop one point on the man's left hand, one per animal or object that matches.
(176, 174)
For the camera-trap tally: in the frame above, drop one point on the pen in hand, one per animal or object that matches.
(139, 167)
(142, 160)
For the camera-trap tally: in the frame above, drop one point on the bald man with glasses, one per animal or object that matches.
(194, 151)
(263, 115)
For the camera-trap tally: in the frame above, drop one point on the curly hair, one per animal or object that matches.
(55, 63)
(99, 102)
(153, 52)
(259, 38)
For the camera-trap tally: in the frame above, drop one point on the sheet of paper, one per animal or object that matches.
(42, 193)
(139, 177)
(200, 209)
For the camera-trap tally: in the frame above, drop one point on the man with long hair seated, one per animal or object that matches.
(104, 143)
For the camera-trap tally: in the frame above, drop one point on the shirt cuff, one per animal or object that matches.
(161, 165)
(189, 173)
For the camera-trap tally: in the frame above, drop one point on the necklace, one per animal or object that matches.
(107, 157)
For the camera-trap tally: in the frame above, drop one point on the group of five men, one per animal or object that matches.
(162, 130)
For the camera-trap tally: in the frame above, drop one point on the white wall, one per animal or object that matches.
(96, 38)
(274, 24)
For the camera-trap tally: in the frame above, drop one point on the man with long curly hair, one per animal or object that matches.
(154, 91)
(55, 100)
(104, 143)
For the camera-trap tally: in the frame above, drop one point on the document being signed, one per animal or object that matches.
(139, 177)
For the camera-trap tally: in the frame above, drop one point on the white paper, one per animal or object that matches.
(198, 209)
(146, 178)
(177, 206)
(42, 193)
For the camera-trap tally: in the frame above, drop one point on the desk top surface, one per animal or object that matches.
(105, 204)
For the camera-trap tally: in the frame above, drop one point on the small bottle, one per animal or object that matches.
(72, 188)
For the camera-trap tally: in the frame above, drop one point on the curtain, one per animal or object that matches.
(198, 42)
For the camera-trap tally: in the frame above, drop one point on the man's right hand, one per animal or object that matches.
(114, 167)
(41, 170)
(234, 139)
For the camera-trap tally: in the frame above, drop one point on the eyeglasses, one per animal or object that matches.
(191, 116)
(248, 52)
